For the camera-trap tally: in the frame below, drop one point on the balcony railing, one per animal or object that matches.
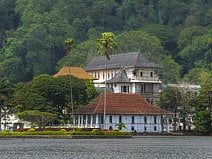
(145, 78)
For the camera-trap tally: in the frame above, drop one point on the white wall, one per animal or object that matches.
(112, 72)
(139, 124)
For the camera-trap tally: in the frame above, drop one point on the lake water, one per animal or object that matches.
(133, 148)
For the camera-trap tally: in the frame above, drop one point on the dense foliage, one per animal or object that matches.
(34, 116)
(39, 37)
(173, 33)
(48, 94)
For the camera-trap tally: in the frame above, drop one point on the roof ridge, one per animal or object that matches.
(99, 102)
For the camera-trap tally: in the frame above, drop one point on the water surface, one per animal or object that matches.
(133, 148)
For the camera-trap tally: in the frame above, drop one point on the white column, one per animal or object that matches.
(86, 121)
(97, 121)
(81, 123)
(91, 121)
(78, 120)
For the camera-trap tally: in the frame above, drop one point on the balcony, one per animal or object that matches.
(145, 78)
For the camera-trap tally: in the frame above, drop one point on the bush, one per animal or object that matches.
(31, 130)
(63, 130)
(97, 132)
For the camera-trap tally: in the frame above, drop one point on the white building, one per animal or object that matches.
(130, 109)
(11, 122)
(127, 73)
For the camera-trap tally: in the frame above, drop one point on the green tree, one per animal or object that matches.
(202, 121)
(202, 118)
(171, 8)
(69, 44)
(48, 94)
(188, 34)
(197, 76)
(8, 17)
(6, 89)
(39, 118)
(166, 34)
(107, 44)
(198, 53)
(170, 99)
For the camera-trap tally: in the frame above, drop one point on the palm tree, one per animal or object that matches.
(106, 46)
(69, 45)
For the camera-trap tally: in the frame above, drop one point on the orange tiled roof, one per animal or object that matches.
(118, 103)
(74, 71)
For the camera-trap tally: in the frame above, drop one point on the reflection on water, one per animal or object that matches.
(138, 148)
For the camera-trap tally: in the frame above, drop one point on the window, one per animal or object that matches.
(101, 119)
(120, 119)
(134, 73)
(94, 119)
(103, 75)
(95, 74)
(155, 120)
(84, 119)
(98, 75)
(108, 75)
(89, 119)
(145, 128)
(76, 120)
(145, 119)
(155, 128)
(110, 128)
(111, 119)
(125, 89)
(141, 74)
(132, 128)
(151, 74)
(133, 120)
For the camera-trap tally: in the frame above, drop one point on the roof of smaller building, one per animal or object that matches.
(119, 103)
(74, 71)
(132, 59)
(120, 77)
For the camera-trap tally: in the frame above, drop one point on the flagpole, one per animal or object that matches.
(105, 94)
(71, 97)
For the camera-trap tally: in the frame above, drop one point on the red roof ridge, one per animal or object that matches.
(98, 102)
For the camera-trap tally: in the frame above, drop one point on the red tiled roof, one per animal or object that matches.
(119, 103)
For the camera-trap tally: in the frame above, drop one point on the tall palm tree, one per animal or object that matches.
(106, 46)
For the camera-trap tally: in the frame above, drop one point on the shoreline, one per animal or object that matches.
(65, 137)
(97, 136)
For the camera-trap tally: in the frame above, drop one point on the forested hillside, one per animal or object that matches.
(174, 33)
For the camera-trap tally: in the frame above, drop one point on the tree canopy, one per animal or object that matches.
(32, 34)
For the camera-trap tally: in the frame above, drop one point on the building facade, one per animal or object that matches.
(127, 73)
(132, 110)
